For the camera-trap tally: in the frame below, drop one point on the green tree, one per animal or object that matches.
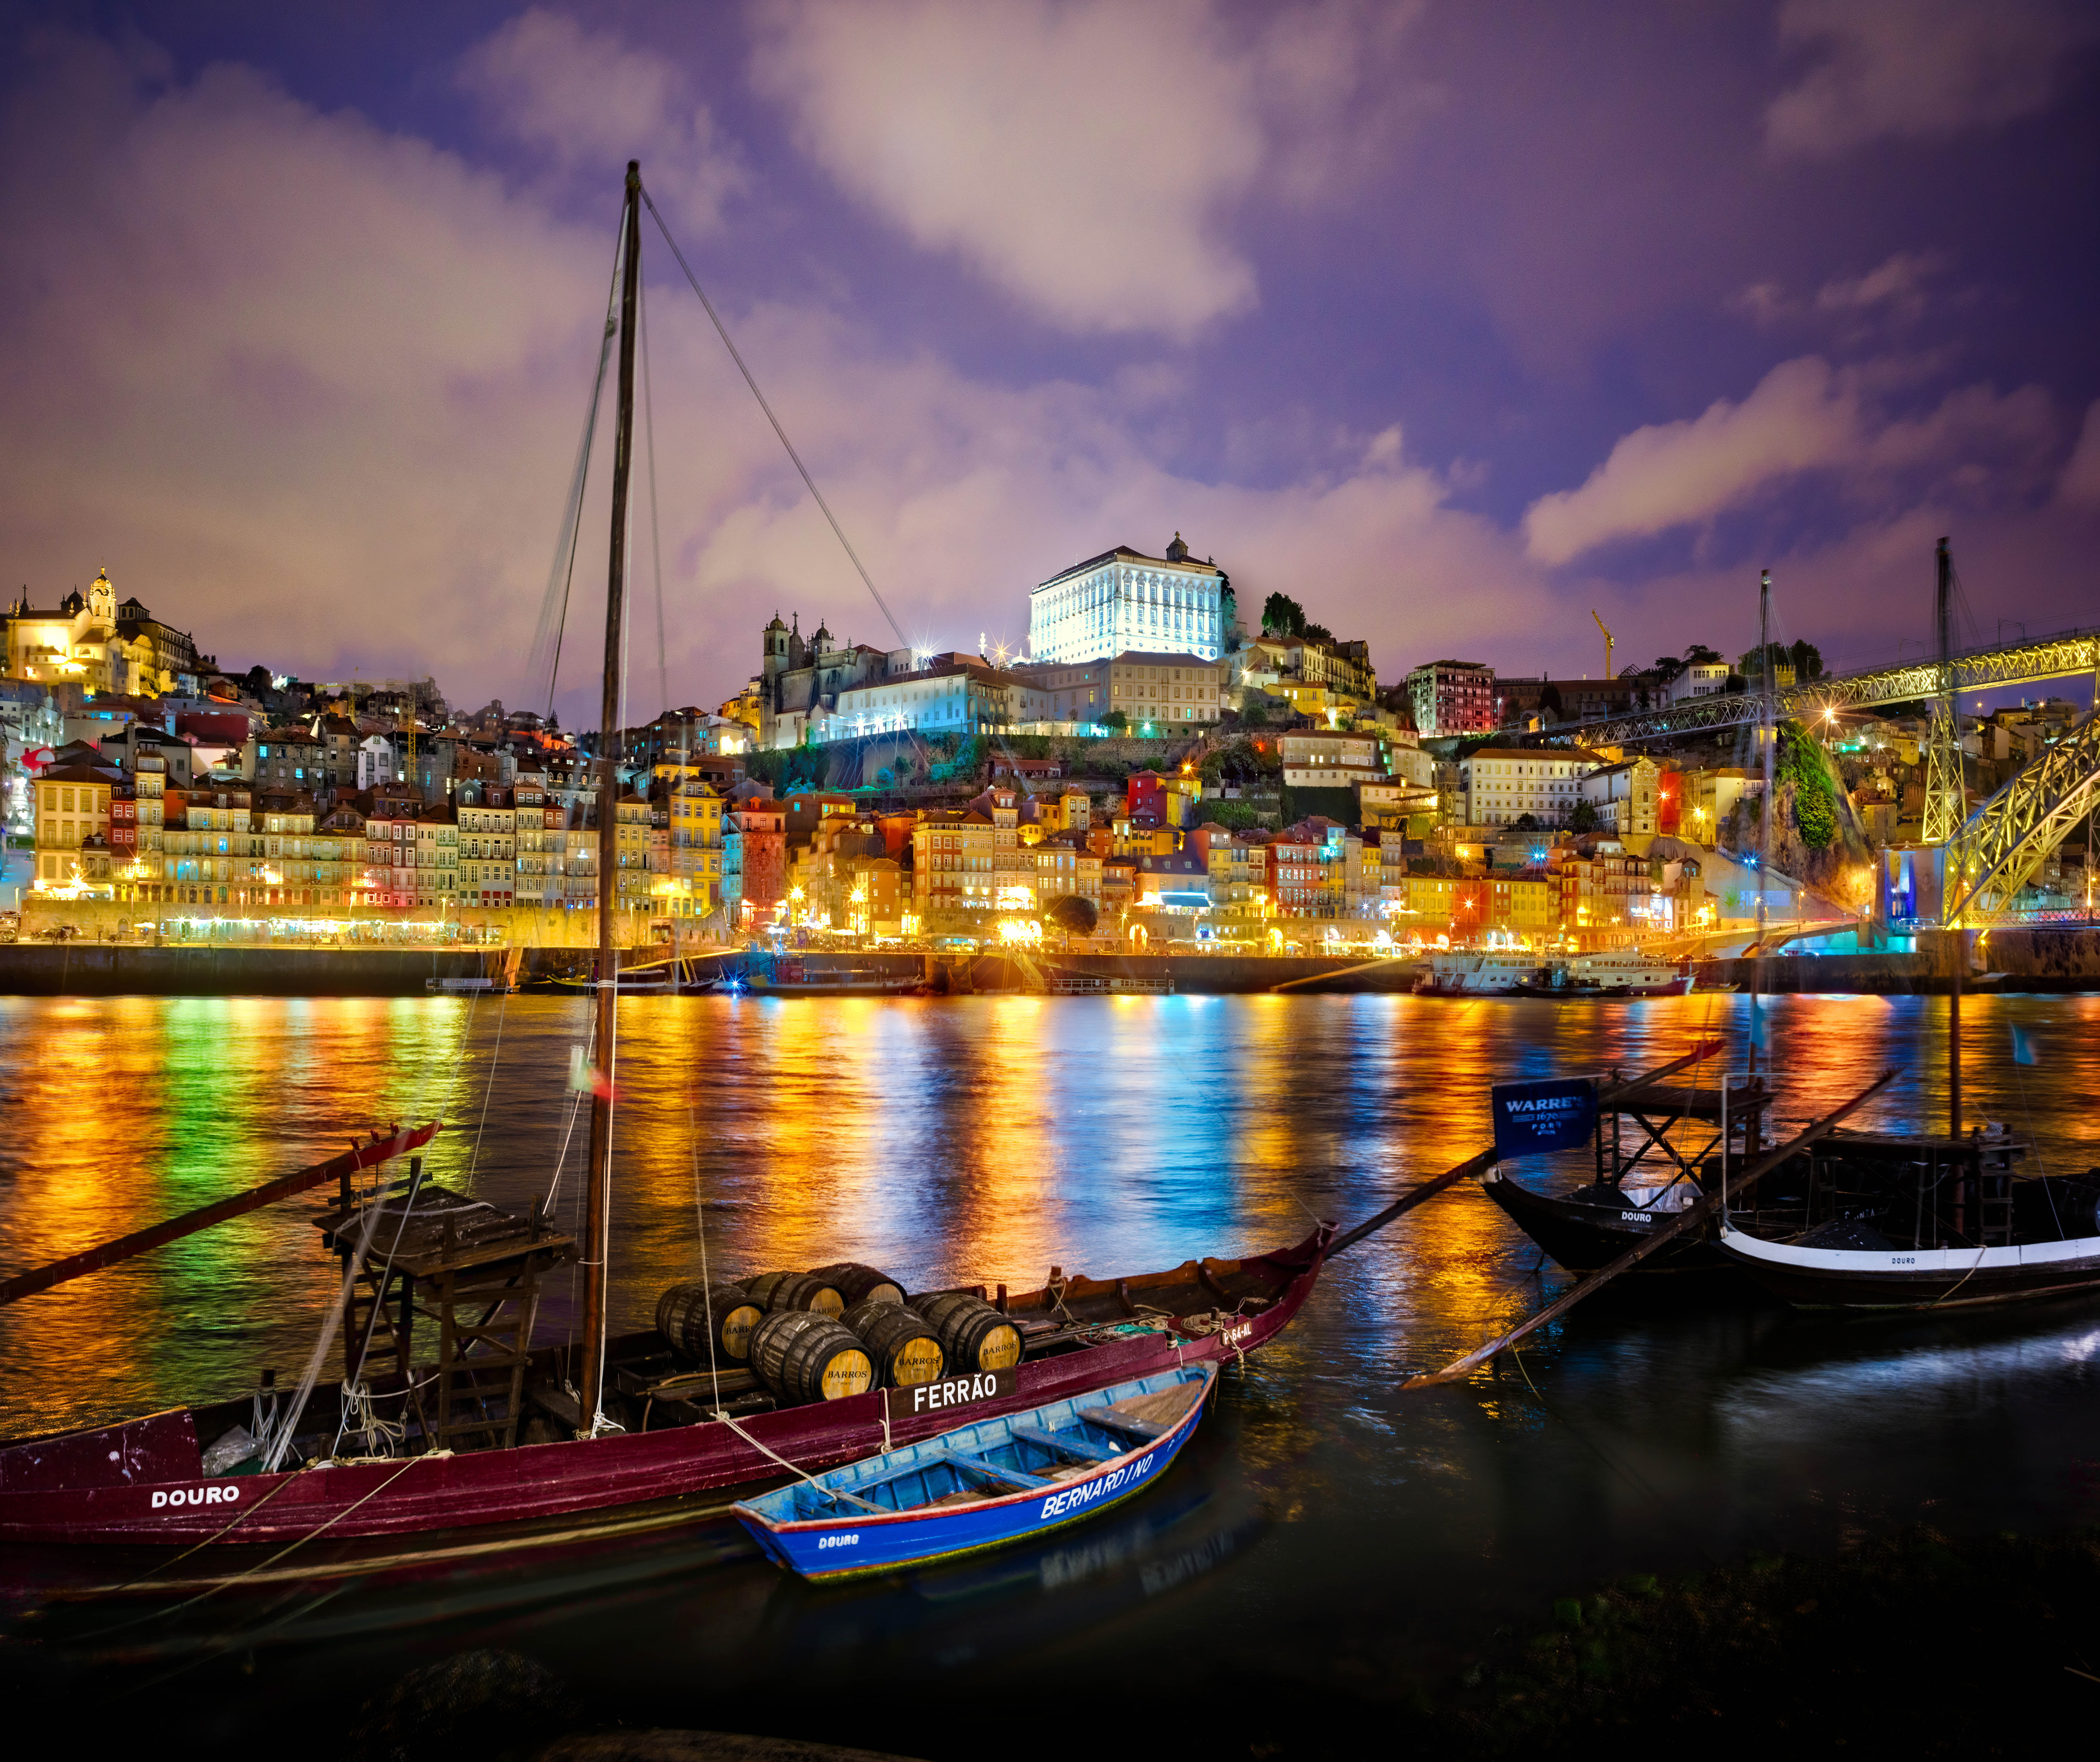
(1282, 616)
(1808, 660)
(1699, 654)
(1582, 817)
(1115, 722)
(1549, 702)
(1074, 915)
(1801, 763)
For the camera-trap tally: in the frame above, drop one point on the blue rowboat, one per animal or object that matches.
(983, 1485)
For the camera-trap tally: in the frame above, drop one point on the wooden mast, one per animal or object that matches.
(1943, 582)
(598, 1196)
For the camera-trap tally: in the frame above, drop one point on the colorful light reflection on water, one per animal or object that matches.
(1322, 1528)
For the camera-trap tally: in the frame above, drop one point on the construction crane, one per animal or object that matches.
(1607, 643)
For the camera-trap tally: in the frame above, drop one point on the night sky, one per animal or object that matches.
(1454, 322)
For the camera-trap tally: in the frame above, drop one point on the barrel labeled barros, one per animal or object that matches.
(800, 1355)
(906, 1349)
(858, 1284)
(974, 1335)
(685, 1313)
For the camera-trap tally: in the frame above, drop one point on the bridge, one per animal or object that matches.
(1997, 849)
(1977, 669)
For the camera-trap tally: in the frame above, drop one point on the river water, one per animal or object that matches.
(1326, 1540)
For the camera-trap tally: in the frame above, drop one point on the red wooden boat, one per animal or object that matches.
(144, 1481)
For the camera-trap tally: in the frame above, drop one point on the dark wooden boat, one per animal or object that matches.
(1591, 1224)
(1636, 1192)
(1884, 1222)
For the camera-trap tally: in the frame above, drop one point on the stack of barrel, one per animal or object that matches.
(834, 1331)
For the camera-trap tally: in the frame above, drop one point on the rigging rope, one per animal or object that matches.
(547, 634)
(744, 367)
(656, 530)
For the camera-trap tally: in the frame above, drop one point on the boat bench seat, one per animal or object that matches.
(969, 1465)
(1020, 1478)
(1145, 1431)
(1067, 1444)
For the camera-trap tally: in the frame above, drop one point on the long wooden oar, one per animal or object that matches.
(1695, 1212)
(124, 1248)
(1474, 1166)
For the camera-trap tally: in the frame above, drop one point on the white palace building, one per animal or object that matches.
(1123, 600)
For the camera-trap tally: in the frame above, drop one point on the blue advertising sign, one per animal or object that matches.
(1531, 1118)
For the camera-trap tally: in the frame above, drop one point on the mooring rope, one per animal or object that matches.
(765, 1451)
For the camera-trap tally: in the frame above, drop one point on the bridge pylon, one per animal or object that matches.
(1997, 851)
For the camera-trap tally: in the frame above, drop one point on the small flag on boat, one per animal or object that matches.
(588, 1080)
(2023, 1048)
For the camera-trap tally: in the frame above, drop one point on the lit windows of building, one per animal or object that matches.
(1124, 600)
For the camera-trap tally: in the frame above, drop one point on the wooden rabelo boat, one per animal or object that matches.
(1644, 1178)
(464, 1467)
(1890, 1222)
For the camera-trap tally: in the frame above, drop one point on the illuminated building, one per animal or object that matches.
(1453, 697)
(1123, 600)
(73, 807)
(1499, 785)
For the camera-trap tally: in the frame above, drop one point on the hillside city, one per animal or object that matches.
(1155, 767)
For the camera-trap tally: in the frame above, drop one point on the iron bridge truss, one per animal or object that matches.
(1980, 669)
(1996, 853)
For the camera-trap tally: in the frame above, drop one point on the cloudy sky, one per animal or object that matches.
(1454, 322)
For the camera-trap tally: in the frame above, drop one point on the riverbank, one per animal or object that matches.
(113, 969)
(1919, 1644)
(2022, 961)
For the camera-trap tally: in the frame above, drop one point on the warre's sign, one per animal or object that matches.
(1531, 1118)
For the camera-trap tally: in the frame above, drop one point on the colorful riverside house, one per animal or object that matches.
(761, 825)
(954, 867)
(73, 806)
(1316, 870)
(697, 859)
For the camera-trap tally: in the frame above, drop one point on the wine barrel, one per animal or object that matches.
(762, 1286)
(973, 1335)
(806, 1291)
(802, 1356)
(860, 1283)
(905, 1350)
(682, 1318)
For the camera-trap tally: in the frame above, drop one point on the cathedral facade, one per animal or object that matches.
(91, 640)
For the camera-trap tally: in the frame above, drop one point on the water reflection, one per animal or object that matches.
(986, 1138)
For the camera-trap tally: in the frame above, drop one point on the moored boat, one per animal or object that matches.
(1889, 1222)
(146, 1480)
(1616, 973)
(1680, 1135)
(994, 1482)
(1479, 973)
(787, 975)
